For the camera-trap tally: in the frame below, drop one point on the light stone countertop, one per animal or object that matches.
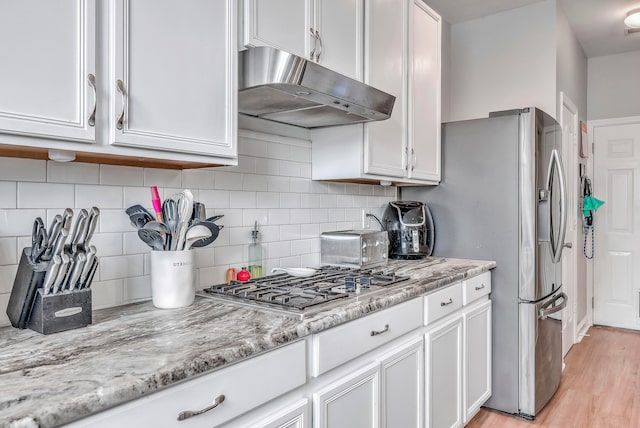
(130, 351)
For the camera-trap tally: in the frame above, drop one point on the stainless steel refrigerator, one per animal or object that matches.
(502, 198)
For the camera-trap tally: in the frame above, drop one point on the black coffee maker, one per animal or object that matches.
(410, 228)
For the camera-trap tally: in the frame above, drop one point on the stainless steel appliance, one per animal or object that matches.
(283, 87)
(303, 296)
(502, 198)
(354, 248)
(410, 228)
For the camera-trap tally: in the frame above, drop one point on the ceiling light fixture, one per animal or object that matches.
(632, 21)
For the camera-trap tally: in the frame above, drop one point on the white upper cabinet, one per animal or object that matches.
(402, 57)
(47, 77)
(174, 76)
(329, 32)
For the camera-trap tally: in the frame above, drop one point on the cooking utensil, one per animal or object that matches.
(78, 265)
(157, 205)
(62, 273)
(134, 209)
(51, 274)
(91, 254)
(215, 230)
(195, 233)
(92, 221)
(78, 230)
(184, 201)
(163, 229)
(152, 238)
(199, 212)
(39, 240)
(170, 214)
(138, 220)
(215, 218)
(299, 272)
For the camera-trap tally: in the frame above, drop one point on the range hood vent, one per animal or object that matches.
(282, 87)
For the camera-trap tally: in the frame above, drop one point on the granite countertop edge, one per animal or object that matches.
(132, 383)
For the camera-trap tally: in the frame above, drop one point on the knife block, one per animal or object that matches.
(53, 313)
(29, 278)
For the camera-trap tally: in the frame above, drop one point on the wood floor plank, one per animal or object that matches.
(600, 387)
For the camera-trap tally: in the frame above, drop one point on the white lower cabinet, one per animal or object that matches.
(351, 402)
(401, 386)
(297, 415)
(477, 357)
(443, 362)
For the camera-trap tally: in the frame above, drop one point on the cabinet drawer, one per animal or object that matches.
(245, 386)
(343, 343)
(476, 287)
(442, 302)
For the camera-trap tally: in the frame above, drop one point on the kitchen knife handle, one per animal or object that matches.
(91, 79)
(78, 265)
(120, 88)
(190, 413)
(51, 275)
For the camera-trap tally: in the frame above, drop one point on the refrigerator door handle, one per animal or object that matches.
(557, 245)
(547, 310)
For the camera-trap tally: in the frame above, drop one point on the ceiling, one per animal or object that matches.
(597, 24)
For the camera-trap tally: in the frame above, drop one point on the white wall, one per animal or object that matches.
(445, 96)
(271, 184)
(571, 65)
(504, 61)
(614, 86)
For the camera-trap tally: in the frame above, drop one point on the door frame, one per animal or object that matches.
(571, 263)
(592, 125)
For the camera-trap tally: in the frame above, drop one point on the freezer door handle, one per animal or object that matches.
(549, 308)
(555, 165)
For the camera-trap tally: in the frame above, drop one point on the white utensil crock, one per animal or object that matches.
(173, 279)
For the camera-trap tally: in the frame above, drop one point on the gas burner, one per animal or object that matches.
(304, 296)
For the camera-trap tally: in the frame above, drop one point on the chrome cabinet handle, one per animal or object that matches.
(480, 288)
(447, 303)
(568, 245)
(406, 155)
(92, 82)
(315, 44)
(189, 413)
(120, 87)
(414, 159)
(319, 51)
(384, 330)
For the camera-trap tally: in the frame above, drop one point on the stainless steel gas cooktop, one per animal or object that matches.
(328, 287)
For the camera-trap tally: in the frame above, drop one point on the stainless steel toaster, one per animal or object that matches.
(354, 248)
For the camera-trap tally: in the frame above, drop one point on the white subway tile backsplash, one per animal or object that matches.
(18, 222)
(242, 200)
(45, 195)
(99, 196)
(118, 267)
(197, 179)
(17, 169)
(8, 251)
(8, 194)
(4, 301)
(116, 175)
(271, 184)
(73, 172)
(162, 177)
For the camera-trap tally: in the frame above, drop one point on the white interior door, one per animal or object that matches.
(617, 225)
(570, 129)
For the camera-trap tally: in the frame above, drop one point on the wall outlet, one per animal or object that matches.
(366, 220)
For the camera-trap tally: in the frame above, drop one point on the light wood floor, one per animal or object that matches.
(600, 387)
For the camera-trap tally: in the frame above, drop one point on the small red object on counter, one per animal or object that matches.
(244, 275)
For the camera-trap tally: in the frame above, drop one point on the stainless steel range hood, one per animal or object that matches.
(282, 87)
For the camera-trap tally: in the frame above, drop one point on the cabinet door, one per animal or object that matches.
(401, 385)
(48, 53)
(281, 24)
(341, 45)
(385, 41)
(174, 78)
(477, 357)
(351, 402)
(424, 94)
(443, 361)
(297, 415)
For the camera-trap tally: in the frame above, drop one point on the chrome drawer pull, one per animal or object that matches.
(188, 413)
(384, 330)
(480, 288)
(120, 88)
(447, 303)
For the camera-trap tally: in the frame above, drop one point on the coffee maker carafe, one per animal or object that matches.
(411, 230)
